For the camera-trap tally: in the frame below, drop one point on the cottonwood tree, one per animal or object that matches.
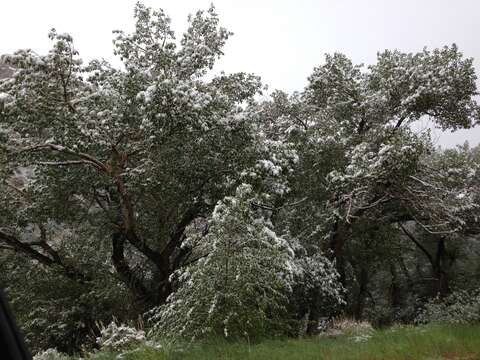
(130, 156)
(447, 188)
(357, 151)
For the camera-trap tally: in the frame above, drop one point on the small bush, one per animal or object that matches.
(119, 337)
(318, 293)
(349, 327)
(460, 307)
(50, 354)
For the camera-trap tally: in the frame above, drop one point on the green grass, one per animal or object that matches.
(432, 342)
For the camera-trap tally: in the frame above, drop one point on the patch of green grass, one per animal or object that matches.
(415, 343)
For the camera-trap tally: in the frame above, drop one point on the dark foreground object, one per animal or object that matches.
(12, 346)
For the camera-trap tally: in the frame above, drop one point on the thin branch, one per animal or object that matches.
(16, 189)
(65, 163)
(418, 244)
(26, 249)
(424, 183)
(62, 149)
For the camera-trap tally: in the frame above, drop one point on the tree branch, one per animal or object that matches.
(62, 149)
(418, 244)
(67, 270)
(134, 283)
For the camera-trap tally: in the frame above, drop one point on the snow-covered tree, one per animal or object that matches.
(133, 154)
(359, 159)
(120, 182)
(240, 287)
(373, 109)
(318, 292)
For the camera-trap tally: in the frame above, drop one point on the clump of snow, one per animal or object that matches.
(50, 354)
(358, 331)
(118, 337)
(4, 97)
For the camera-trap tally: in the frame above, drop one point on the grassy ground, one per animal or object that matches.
(433, 342)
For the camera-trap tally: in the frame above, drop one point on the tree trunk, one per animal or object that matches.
(313, 318)
(395, 290)
(337, 240)
(441, 287)
(362, 294)
(304, 324)
(123, 269)
(442, 284)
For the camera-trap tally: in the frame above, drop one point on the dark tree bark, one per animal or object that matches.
(441, 286)
(166, 259)
(395, 289)
(49, 258)
(336, 243)
(135, 284)
(405, 272)
(362, 294)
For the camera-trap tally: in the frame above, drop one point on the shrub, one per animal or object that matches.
(54, 311)
(116, 337)
(50, 354)
(460, 307)
(358, 330)
(318, 293)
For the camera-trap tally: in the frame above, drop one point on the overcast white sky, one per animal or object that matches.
(279, 40)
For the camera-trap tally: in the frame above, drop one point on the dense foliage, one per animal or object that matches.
(162, 188)
(459, 307)
(240, 287)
